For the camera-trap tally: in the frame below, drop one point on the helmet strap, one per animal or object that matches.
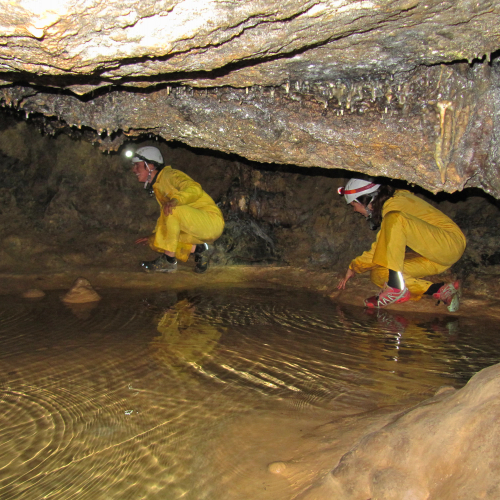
(369, 214)
(148, 185)
(148, 180)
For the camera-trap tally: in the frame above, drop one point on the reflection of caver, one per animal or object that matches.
(396, 323)
(405, 221)
(183, 340)
(189, 220)
(399, 355)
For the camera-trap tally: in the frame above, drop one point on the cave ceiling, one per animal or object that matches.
(406, 89)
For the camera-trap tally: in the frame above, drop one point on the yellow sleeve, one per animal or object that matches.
(189, 190)
(364, 262)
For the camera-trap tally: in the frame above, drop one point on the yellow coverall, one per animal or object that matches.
(196, 219)
(410, 221)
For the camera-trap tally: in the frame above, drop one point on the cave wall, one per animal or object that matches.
(236, 43)
(65, 204)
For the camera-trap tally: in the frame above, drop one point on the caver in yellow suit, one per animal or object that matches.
(408, 221)
(195, 220)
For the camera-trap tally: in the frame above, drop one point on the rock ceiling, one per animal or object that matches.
(402, 88)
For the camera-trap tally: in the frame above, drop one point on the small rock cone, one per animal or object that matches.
(81, 292)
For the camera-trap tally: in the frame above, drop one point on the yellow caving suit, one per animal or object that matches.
(196, 219)
(409, 221)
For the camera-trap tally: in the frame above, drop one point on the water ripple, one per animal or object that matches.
(170, 395)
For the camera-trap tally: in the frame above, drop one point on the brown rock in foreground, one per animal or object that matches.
(81, 292)
(446, 448)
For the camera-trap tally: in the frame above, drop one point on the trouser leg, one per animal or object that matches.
(414, 268)
(399, 230)
(186, 226)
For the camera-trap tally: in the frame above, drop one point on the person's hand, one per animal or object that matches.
(348, 275)
(169, 206)
(142, 241)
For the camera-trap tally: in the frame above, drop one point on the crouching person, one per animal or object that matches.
(405, 221)
(189, 220)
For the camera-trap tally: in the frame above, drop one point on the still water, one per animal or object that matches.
(194, 394)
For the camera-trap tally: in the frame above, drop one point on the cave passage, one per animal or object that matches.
(67, 207)
(199, 387)
(259, 379)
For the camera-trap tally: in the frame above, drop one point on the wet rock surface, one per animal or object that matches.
(435, 127)
(238, 44)
(403, 89)
(81, 292)
(33, 293)
(444, 448)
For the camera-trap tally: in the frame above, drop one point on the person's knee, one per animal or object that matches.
(394, 217)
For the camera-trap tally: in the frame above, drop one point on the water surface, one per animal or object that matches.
(193, 394)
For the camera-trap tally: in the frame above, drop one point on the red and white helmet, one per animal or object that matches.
(356, 188)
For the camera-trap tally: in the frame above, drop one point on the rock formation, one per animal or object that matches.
(397, 88)
(444, 448)
(81, 293)
(33, 293)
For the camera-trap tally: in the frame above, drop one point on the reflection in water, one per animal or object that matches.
(193, 395)
(183, 341)
(82, 311)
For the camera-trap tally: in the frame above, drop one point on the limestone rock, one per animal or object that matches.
(237, 43)
(81, 292)
(349, 84)
(445, 448)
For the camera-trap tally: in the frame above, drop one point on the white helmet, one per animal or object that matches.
(357, 187)
(150, 153)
